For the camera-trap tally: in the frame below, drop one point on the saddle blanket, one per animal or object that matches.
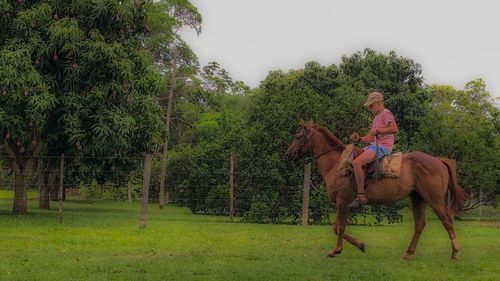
(390, 166)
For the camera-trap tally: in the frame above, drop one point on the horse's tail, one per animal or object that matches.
(458, 196)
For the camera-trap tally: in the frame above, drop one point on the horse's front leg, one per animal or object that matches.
(340, 224)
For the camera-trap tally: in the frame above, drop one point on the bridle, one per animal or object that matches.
(302, 142)
(304, 138)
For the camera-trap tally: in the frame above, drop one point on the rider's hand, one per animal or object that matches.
(355, 137)
(374, 132)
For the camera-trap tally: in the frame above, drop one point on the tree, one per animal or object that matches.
(257, 126)
(399, 78)
(463, 125)
(182, 13)
(75, 78)
(206, 128)
(333, 97)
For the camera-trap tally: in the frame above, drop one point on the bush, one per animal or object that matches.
(390, 213)
(262, 209)
(217, 200)
(319, 205)
(106, 191)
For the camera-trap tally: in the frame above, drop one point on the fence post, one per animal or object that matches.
(231, 186)
(61, 187)
(305, 195)
(145, 190)
(129, 189)
(481, 203)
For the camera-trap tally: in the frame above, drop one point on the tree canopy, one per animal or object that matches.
(257, 127)
(75, 77)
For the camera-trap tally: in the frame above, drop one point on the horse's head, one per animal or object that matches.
(301, 144)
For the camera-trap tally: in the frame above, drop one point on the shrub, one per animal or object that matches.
(262, 209)
(319, 205)
(106, 191)
(217, 200)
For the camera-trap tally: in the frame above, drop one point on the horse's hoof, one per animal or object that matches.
(406, 256)
(362, 247)
(333, 253)
(455, 257)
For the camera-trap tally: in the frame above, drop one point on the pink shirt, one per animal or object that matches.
(380, 121)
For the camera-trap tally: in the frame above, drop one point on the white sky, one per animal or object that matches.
(454, 41)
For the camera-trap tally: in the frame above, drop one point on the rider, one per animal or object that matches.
(384, 127)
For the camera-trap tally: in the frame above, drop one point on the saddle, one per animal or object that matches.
(389, 166)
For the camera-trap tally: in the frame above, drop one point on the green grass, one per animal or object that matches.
(101, 241)
(7, 194)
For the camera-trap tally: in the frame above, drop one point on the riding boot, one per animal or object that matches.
(360, 184)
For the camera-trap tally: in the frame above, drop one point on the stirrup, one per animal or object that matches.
(356, 202)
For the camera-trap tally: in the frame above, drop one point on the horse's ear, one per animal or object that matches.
(301, 122)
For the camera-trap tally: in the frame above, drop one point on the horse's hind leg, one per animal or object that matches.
(418, 206)
(446, 219)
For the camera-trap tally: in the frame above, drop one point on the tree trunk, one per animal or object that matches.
(20, 193)
(63, 194)
(61, 187)
(481, 202)
(164, 157)
(52, 187)
(129, 189)
(145, 190)
(21, 169)
(43, 202)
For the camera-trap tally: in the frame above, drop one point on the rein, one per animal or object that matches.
(328, 150)
(303, 140)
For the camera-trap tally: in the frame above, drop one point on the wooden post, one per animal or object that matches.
(231, 186)
(129, 189)
(481, 198)
(145, 190)
(305, 195)
(61, 187)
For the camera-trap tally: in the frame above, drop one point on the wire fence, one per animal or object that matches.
(123, 175)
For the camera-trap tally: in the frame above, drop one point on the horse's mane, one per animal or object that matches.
(332, 139)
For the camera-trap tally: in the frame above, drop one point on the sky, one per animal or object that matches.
(454, 41)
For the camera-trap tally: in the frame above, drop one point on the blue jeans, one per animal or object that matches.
(382, 151)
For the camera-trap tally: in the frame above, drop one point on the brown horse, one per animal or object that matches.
(426, 179)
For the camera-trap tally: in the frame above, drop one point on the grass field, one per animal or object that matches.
(101, 241)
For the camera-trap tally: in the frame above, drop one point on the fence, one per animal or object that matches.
(69, 179)
(47, 169)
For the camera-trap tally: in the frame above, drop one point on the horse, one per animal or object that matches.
(425, 178)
